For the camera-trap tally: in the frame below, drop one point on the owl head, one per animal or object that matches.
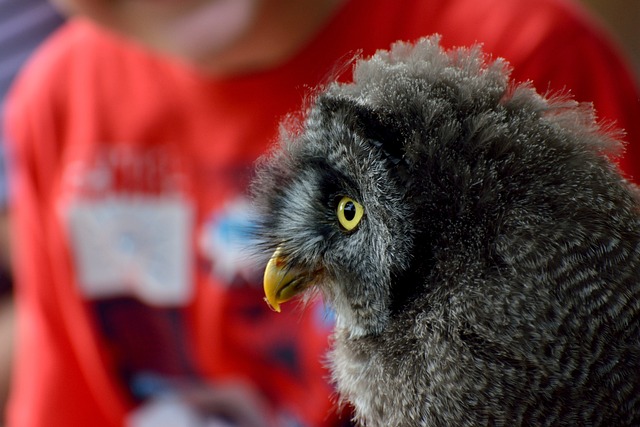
(335, 215)
(416, 154)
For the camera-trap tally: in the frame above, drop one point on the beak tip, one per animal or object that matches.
(275, 307)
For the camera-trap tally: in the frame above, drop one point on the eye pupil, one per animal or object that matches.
(349, 211)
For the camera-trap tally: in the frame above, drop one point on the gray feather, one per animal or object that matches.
(495, 276)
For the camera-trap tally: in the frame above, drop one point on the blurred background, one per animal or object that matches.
(622, 18)
(25, 23)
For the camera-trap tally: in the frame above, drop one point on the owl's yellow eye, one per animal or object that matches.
(349, 213)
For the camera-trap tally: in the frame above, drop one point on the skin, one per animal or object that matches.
(7, 324)
(220, 37)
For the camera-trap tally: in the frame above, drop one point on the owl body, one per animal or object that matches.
(487, 270)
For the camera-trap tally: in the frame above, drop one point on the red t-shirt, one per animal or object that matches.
(130, 218)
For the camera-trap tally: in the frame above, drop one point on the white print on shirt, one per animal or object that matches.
(226, 241)
(130, 225)
(133, 245)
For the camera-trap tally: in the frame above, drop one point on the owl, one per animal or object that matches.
(478, 245)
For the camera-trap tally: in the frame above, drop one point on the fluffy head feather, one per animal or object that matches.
(494, 275)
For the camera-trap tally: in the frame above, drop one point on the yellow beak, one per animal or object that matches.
(280, 282)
